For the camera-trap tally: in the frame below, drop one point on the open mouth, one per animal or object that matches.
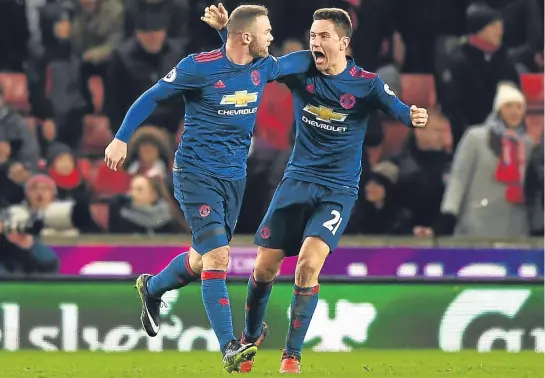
(319, 57)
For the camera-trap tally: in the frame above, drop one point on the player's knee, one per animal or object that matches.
(195, 261)
(267, 264)
(310, 262)
(307, 269)
(216, 259)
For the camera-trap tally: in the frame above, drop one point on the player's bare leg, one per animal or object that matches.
(182, 270)
(216, 302)
(305, 298)
(266, 268)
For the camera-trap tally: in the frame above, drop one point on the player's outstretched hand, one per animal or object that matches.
(216, 16)
(419, 116)
(115, 154)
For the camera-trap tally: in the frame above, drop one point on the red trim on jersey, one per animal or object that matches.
(208, 56)
(211, 275)
(358, 72)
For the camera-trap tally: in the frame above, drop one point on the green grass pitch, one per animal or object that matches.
(363, 364)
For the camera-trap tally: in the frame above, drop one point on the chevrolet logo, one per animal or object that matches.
(325, 114)
(239, 99)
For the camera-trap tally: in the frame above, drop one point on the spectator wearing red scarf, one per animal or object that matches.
(61, 167)
(484, 196)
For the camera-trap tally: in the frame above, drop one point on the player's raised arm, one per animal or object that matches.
(182, 77)
(388, 101)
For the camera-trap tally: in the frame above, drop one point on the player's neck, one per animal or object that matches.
(337, 67)
(237, 54)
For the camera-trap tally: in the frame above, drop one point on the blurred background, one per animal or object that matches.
(457, 206)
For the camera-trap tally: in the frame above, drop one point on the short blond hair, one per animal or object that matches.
(243, 16)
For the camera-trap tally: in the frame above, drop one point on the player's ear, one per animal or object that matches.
(345, 41)
(246, 38)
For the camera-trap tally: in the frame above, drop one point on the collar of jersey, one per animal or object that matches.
(350, 63)
(238, 67)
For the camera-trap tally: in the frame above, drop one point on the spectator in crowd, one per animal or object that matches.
(23, 253)
(424, 165)
(147, 209)
(534, 186)
(467, 86)
(67, 218)
(55, 85)
(523, 36)
(149, 153)
(61, 167)
(14, 131)
(176, 13)
(376, 211)
(485, 194)
(95, 33)
(136, 66)
(11, 191)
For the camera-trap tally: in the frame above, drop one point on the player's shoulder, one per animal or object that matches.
(264, 62)
(208, 57)
(360, 74)
(203, 60)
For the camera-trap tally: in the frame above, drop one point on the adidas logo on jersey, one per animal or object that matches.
(219, 85)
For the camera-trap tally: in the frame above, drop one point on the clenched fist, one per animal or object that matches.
(419, 116)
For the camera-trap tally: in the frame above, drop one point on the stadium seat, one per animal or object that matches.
(96, 134)
(418, 90)
(395, 134)
(109, 183)
(532, 86)
(96, 86)
(85, 167)
(15, 90)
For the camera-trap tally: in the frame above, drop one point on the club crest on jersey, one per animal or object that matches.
(256, 77)
(204, 211)
(265, 233)
(347, 101)
(326, 114)
(171, 76)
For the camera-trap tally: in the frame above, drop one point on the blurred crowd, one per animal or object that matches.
(70, 69)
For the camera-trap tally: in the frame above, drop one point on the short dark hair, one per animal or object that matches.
(244, 15)
(338, 16)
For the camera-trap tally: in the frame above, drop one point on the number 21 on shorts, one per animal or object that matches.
(334, 223)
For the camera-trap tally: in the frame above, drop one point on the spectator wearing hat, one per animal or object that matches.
(468, 83)
(149, 153)
(68, 218)
(61, 167)
(376, 212)
(136, 66)
(485, 194)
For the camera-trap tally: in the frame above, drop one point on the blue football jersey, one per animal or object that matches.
(221, 104)
(331, 116)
